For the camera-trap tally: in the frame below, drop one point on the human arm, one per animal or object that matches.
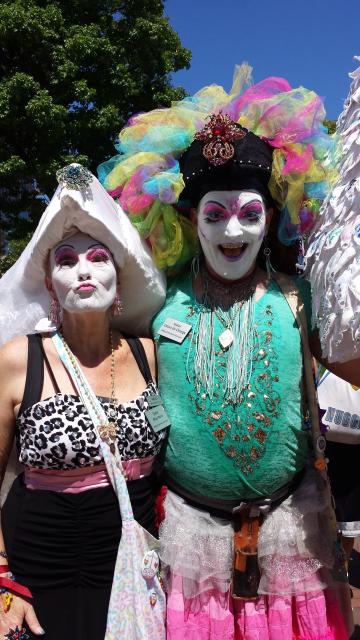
(12, 374)
(349, 371)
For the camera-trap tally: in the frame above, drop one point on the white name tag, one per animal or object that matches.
(174, 330)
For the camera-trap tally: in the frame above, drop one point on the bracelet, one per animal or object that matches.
(4, 568)
(14, 587)
(3, 554)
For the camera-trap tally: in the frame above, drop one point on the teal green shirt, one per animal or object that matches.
(243, 451)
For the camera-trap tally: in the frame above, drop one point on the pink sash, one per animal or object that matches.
(83, 478)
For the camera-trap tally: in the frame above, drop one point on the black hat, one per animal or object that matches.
(225, 156)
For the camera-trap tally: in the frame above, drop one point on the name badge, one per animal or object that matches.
(154, 400)
(174, 330)
(157, 418)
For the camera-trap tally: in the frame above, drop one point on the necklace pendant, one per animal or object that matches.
(226, 338)
(107, 432)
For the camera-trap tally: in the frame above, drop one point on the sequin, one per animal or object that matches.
(260, 435)
(219, 434)
(254, 453)
(231, 452)
(216, 415)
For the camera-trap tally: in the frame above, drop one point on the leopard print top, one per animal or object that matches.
(57, 433)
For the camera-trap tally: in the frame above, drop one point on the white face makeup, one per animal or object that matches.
(231, 227)
(83, 274)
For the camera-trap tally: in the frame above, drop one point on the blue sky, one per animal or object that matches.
(310, 43)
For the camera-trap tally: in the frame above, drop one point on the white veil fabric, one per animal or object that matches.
(333, 256)
(24, 299)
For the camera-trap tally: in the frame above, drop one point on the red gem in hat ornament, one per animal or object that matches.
(219, 132)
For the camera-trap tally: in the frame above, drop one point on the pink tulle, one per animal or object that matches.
(297, 162)
(133, 198)
(311, 616)
(115, 193)
(261, 91)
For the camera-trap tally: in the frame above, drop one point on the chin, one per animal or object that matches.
(230, 269)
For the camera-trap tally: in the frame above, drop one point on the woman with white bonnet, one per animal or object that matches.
(88, 271)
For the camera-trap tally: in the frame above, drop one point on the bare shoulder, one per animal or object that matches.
(14, 354)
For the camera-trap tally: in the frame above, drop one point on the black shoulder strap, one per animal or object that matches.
(139, 354)
(49, 369)
(34, 373)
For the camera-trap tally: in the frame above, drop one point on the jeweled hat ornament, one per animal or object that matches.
(268, 137)
(74, 176)
(225, 156)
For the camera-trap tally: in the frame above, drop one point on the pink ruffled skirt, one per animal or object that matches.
(299, 597)
(311, 616)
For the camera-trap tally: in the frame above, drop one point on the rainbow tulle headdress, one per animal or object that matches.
(148, 175)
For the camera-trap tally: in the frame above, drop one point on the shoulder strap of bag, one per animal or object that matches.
(99, 419)
(296, 304)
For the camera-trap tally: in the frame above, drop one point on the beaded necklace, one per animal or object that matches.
(233, 305)
(107, 431)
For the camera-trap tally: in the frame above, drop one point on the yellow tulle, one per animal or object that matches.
(172, 237)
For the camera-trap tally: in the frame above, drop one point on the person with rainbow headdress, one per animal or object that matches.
(221, 184)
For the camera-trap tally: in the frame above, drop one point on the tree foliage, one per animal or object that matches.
(330, 125)
(71, 74)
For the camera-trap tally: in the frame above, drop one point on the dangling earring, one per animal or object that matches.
(54, 313)
(195, 264)
(301, 264)
(267, 253)
(117, 306)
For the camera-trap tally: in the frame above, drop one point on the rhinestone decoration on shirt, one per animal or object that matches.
(242, 430)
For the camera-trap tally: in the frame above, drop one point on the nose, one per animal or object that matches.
(234, 228)
(84, 268)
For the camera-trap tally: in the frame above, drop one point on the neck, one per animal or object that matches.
(87, 335)
(229, 283)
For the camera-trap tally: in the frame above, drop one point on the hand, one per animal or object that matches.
(20, 611)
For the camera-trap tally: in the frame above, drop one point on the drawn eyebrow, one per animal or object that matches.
(252, 202)
(63, 246)
(97, 244)
(214, 202)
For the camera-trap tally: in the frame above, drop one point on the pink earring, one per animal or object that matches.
(117, 306)
(54, 313)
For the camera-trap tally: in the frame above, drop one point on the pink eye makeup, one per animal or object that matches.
(214, 212)
(252, 211)
(98, 254)
(65, 256)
